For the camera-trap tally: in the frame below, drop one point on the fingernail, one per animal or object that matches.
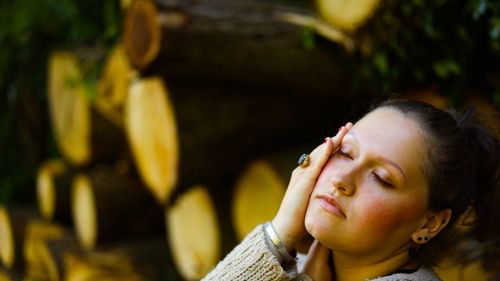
(340, 129)
(326, 139)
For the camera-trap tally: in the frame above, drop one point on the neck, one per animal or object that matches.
(354, 269)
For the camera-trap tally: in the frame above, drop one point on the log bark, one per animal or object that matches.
(9, 275)
(108, 206)
(193, 233)
(133, 260)
(13, 222)
(242, 42)
(83, 135)
(53, 191)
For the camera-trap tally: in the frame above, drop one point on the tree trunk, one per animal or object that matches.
(241, 42)
(108, 206)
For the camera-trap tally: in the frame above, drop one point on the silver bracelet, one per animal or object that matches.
(273, 236)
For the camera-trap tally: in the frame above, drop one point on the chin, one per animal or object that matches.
(316, 223)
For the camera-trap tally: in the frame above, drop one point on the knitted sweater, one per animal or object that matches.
(252, 260)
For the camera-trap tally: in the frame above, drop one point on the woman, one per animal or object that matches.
(380, 199)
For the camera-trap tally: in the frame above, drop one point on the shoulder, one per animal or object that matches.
(422, 274)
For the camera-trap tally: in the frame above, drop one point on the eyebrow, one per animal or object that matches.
(381, 158)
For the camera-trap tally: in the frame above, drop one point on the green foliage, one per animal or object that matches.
(453, 44)
(29, 30)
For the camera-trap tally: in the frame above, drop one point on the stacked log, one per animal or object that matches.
(44, 261)
(257, 197)
(232, 42)
(53, 189)
(9, 275)
(81, 132)
(132, 260)
(193, 233)
(114, 84)
(152, 133)
(107, 206)
(13, 222)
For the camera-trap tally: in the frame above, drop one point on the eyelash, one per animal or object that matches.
(381, 181)
(374, 175)
(344, 154)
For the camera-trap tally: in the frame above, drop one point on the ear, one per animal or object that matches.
(434, 223)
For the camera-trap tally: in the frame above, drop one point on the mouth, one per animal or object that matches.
(331, 205)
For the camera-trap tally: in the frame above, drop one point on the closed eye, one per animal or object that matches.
(344, 154)
(381, 181)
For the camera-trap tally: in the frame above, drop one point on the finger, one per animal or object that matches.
(324, 151)
(337, 139)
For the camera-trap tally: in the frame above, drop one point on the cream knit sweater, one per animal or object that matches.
(252, 260)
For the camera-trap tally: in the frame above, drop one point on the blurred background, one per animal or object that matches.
(143, 139)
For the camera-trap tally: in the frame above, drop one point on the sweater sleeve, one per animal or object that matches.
(250, 260)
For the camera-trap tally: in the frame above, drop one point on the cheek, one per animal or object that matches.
(381, 215)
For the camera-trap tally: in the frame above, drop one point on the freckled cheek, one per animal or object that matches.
(381, 216)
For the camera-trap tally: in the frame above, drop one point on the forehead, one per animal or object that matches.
(389, 133)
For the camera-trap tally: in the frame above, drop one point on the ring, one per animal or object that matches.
(304, 160)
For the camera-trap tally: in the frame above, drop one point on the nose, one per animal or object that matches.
(342, 183)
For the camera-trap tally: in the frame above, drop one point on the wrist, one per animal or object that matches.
(286, 256)
(287, 240)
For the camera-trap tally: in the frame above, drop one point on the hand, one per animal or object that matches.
(317, 264)
(289, 221)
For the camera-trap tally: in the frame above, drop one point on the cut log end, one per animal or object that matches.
(152, 131)
(7, 252)
(257, 197)
(114, 84)
(69, 108)
(346, 15)
(40, 262)
(193, 233)
(142, 33)
(46, 189)
(84, 211)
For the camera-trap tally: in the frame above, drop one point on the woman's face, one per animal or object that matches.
(372, 195)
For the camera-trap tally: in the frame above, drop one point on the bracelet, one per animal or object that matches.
(273, 236)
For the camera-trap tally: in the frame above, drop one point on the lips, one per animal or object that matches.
(331, 205)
